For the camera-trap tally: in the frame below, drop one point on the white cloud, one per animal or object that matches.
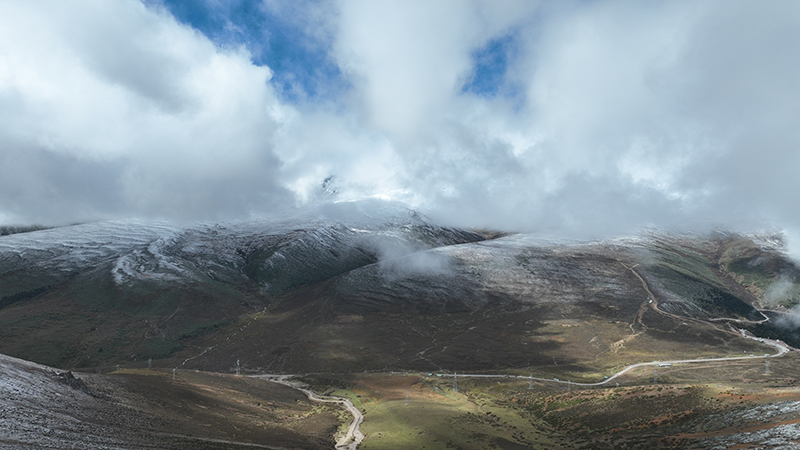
(116, 87)
(632, 114)
(621, 115)
(409, 59)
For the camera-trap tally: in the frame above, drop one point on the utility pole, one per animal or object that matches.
(455, 381)
(655, 376)
(530, 380)
(406, 398)
(173, 374)
(766, 368)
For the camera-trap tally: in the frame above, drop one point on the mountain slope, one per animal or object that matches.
(122, 291)
(374, 286)
(360, 288)
(46, 408)
(499, 304)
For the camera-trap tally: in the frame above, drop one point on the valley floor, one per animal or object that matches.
(718, 404)
(721, 404)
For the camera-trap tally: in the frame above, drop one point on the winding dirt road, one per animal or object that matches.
(354, 436)
(652, 302)
(782, 350)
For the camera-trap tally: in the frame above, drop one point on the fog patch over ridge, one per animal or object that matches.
(400, 262)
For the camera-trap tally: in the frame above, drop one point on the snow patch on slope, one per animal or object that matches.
(155, 263)
(78, 246)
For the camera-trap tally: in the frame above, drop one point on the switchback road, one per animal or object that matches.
(354, 436)
(782, 350)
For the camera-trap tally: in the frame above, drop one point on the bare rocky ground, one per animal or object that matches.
(41, 407)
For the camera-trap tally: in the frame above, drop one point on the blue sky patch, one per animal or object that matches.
(300, 62)
(490, 65)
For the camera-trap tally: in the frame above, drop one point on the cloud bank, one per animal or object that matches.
(564, 118)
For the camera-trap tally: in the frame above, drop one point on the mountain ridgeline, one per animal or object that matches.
(372, 287)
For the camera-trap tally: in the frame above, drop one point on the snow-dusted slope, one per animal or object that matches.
(48, 257)
(97, 292)
(45, 408)
(275, 254)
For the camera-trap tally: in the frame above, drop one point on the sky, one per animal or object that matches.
(569, 118)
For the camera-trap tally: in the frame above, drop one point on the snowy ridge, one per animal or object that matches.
(78, 246)
(277, 254)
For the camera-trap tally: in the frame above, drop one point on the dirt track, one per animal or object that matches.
(353, 437)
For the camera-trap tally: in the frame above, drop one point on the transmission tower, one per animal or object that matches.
(237, 367)
(530, 381)
(406, 398)
(766, 367)
(655, 376)
(455, 381)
